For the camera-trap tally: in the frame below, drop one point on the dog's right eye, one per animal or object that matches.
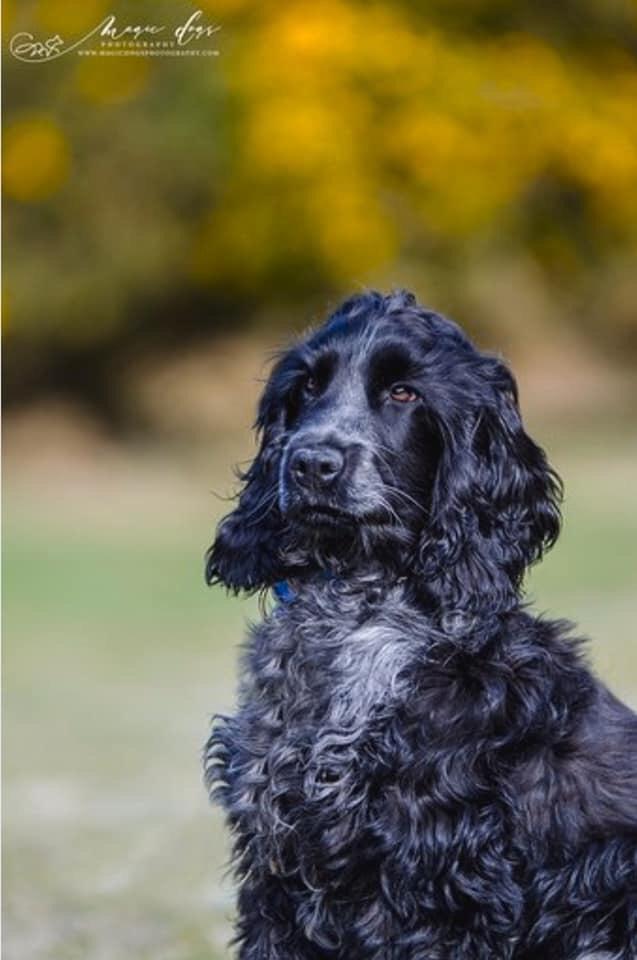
(402, 393)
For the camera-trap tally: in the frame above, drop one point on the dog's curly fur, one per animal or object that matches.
(419, 768)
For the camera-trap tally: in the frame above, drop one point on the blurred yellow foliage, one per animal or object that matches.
(247, 241)
(354, 235)
(300, 137)
(8, 15)
(109, 80)
(225, 8)
(69, 19)
(6, 310)
(357, 102)
(330, 144)
(36, 158)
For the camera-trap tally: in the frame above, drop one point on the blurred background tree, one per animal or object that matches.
(482, 152)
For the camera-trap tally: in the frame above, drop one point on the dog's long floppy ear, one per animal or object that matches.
(495, 507)
(244, 554)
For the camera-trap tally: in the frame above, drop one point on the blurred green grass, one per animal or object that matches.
(115, 656)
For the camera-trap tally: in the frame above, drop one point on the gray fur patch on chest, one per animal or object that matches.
(333, 677)
(338, 677)
(369, 671)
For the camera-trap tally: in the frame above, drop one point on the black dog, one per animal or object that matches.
(419, 768)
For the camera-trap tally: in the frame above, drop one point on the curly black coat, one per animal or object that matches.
(419, 768)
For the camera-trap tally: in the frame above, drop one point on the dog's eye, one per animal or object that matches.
(401, 393)
(310, 387)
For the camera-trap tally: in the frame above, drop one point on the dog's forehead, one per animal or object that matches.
(355, 340)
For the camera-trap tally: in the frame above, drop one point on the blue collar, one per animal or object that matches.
(284, 592)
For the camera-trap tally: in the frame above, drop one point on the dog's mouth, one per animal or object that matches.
(326, 516)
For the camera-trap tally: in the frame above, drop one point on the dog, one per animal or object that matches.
(419, 767)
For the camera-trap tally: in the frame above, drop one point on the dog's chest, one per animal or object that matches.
(317, 695)
(333, 669)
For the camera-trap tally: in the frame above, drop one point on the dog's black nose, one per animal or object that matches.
(316, 467)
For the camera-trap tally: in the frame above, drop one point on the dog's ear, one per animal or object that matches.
(495, 506)
(244, 555)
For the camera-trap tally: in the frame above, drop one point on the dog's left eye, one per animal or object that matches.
(402, 393)
(311, 386)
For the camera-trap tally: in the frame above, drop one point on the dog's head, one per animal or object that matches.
(388, 441)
